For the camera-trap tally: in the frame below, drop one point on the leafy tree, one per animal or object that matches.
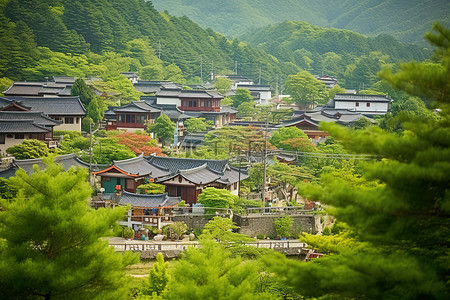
(158, 278)
(7, 190)
(95, 110)
(400, 213)
(163, 127)
(106, 150)
(139, 143)
(195, 124)
(178, 229)
(226, 101)
(52, 244)
(4, 84)
(223, 85)
(285, 178)
(283, 226)
(242, 95)
(28, 149)
(220, 198)
(247, 109)
(305, 89)
(291, 139)
(81, 89)
(152, 188)
(209, 271)
(220, 229)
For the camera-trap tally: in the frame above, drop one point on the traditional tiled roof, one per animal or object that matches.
(169, 92)
(135, 106)
(172, 111)
(174, 164)
(24, 88)
(140, 167)
(148, 201)
(37, 117)
(231, 175)
(54, 106)
(21, 126)
(200, 94)
(64, 79)
(66, 161)
(228, 109)
(254, 87)
(362, 98)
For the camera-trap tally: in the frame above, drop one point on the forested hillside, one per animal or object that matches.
(406, 20)
(94, 37)
(351, 57)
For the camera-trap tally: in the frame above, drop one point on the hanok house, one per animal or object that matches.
(131, 117)
(145, 209)
(15, 126)
(68, 110)
(183, 177)
(368, 105)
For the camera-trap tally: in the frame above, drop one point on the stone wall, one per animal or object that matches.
(192, 221)
(253, 225)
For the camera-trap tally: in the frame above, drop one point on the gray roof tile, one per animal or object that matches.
(37, 117)
(53, 106)
(22, 126)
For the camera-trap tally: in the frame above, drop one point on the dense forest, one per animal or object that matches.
(79, 39)
(406, 20)
(351, 57)
(76, 38)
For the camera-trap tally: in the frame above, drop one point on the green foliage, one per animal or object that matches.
(70, 133)
(398, 233)
(163, 127)
(305, 89)
(106, 150)
(158, 277)
(52, 244)
(283, 226)
(292, 139)
(326, 231)
(220, 198)
(151, 188)
(220, 229)
(242, 96)
(209, 271)
(195, 124)
(28, 149)
(178, 229)
(226, 101)
(128, 233)
(95, 110)
(81, 89)
(4, 84)
(247, 109)
(404, 21)
(7, 190)
(223, 85)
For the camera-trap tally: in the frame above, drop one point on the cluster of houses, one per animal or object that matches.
(33, 110)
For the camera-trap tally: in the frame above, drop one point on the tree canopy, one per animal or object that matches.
(51, 244)
(28, 149)
(397, 211)
(163, 127)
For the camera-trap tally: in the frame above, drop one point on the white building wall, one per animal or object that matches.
(11, 141)
(65, 125)
(174, 101)
(376, 107)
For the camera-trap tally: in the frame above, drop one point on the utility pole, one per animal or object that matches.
(259, 80)
(159, 50)
(201, 68)
(90, 154)
(212, 71)
(276, 89)
(263, 194)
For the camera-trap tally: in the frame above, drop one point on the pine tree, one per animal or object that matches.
(81, 89)
(51, 246)
(398, 212)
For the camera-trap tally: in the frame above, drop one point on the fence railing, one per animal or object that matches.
(144, 246)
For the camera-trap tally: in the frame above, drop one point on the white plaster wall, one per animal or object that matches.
(172, 101)
(9, 142)
(72, 127)
(374, 106)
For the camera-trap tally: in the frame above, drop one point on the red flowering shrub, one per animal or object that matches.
(139, 143)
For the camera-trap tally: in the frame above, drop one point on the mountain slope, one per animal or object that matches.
(406, 20)
(351, 57)
(83, 27)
